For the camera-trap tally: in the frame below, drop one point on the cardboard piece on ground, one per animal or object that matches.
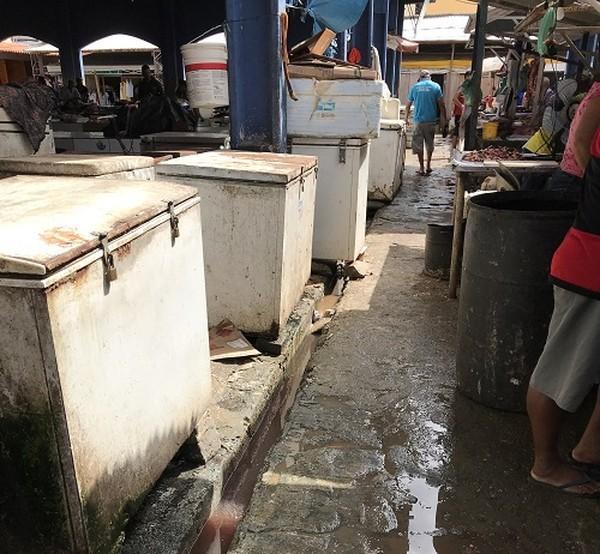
(227, 342)
(327, 303)
(357, 270)
(320, 325)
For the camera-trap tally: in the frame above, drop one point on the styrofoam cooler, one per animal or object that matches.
(103, 349)
(387, 161)
(82, 165)
(258, 214)
(341, 205)
(14, 140)
(341, 108)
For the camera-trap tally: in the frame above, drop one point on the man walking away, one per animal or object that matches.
(569, 367)
(426, 96)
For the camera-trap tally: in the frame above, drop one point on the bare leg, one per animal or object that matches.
(588, 448)
(429, 156)
(546, 421)
(421, 162)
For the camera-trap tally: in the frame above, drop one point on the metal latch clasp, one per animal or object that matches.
(110, 271)
(174, 221)
(342, 151)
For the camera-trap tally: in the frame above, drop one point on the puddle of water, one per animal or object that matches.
(422, 521)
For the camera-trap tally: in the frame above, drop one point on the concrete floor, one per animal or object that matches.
(380, 453)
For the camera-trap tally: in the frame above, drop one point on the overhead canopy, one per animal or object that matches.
(438, 29)
(400, 44)
(112, 43)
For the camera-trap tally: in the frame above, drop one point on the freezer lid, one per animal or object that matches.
(79, 165)
(391, 124)
(188, 136)
(313, 141)
(262, 167)
(48, 222)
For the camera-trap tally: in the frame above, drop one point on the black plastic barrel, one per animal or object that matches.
(506, 298)
(438, 250)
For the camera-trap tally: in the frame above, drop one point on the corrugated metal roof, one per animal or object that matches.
(443, 29)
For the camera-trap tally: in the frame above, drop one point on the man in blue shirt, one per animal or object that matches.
(426, 96)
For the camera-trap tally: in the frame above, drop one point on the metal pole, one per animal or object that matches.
(380, 31)
(342, 39)
(391, 55)
(476, 68)
(256, 81)
(400, 27)
(362, 37)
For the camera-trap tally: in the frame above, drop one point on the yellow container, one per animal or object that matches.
(490, 130)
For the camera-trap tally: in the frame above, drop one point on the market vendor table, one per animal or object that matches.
(469, 171)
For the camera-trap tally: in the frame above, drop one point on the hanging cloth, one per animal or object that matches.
(337, 15)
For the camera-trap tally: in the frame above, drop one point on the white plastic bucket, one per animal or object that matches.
(206, 73)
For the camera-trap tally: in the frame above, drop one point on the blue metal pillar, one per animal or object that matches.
(400, 29)
(342, 40)
(391, 55)
(71, 62)
(380, 31)
(362, 36)
(170, 49)
(256, 81)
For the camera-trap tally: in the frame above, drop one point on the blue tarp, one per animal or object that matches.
(337, 15)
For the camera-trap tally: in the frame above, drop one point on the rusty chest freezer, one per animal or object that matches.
(100, 166)
(257, 220)
(104, 352)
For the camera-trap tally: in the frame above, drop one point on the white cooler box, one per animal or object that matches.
(103, 349)
(82, 165)
(388, 153)
(14, 141)
(341, 206)
(257, 220)
(342, 108)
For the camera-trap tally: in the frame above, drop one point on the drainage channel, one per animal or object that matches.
(219, 531)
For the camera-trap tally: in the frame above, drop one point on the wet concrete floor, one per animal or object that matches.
(380, 453)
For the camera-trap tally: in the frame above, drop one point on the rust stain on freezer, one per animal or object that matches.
(123, 252)
(62, 236)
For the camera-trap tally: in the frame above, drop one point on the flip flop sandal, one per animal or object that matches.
(421, 173)
(584, 466)
(575, 483)
(429, 172)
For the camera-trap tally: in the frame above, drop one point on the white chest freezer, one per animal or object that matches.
(94, 142)
(386, 165)
(257, 220)
(341, 205)
(14, 141)
(103, 349)
(335, 108)
(82, 165)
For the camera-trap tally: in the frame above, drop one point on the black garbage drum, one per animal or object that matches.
(438, 250)
(506, 298)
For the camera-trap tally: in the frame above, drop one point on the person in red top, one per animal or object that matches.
(569, 366)
(570, 174)
(458, 108)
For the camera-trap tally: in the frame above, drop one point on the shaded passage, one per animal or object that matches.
(380, 454)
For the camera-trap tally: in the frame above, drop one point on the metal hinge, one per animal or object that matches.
(174, 222)
(110, 271)
(342, 151)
